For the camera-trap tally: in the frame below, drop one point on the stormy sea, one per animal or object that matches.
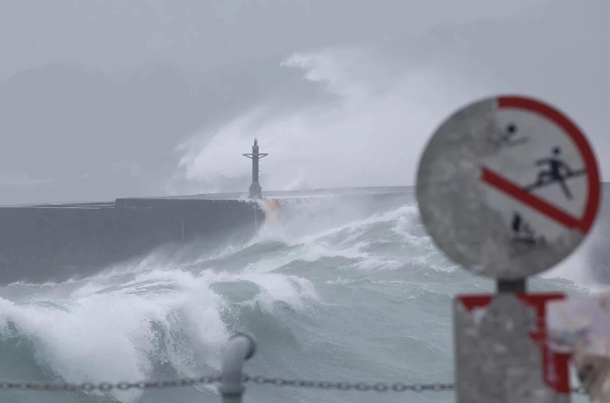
(332, 290)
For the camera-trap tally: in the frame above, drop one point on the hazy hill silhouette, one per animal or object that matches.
(85, 135)
(73, 133)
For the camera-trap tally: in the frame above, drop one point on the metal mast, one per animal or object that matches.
(255, 156)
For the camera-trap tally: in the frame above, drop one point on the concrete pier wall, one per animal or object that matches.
(47, 243)
(56, 242)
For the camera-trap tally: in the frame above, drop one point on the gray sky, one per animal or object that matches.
(116, 34)
(371, 78)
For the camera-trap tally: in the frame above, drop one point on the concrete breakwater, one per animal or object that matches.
(56, 242)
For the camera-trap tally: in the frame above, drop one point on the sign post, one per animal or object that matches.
(508, 187)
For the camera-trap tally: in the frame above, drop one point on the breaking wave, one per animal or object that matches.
(332, 290)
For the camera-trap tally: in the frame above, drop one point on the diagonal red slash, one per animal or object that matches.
(531, 200)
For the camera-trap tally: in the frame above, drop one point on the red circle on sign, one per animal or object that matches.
(569, 128)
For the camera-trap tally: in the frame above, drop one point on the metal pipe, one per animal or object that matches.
(511, 286)
(240, 348)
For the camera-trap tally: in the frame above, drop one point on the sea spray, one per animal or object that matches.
(332, 291)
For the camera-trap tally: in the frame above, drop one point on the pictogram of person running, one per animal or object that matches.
(556, 171)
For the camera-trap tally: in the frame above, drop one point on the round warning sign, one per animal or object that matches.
(508, 187)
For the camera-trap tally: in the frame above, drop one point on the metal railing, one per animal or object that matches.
(232, 379)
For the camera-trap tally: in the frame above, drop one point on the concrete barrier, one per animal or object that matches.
(55, 243)
(61, 241)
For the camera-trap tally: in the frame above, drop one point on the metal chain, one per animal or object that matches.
(365, 387)
(108, 386)
(344, 386)
(259, 380)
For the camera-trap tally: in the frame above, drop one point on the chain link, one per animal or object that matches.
(259, 380)
(108, 386)
(345, 386)
(365, 387)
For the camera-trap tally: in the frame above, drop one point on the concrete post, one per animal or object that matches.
(240, 348)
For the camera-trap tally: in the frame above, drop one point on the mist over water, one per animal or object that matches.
(370, 131)
(334, 290)
(376, 103)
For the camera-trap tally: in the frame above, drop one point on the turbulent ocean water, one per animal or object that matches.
(333, 291)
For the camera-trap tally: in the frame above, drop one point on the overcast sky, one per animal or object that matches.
(114, 34)
(382, 73)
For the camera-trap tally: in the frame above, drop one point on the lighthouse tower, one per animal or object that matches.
(255, 188)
